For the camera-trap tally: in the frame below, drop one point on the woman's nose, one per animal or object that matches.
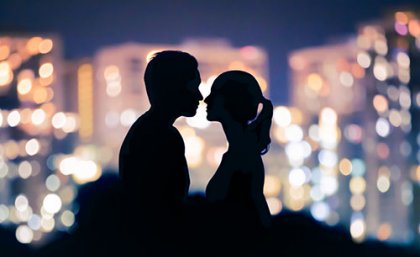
(207, 100)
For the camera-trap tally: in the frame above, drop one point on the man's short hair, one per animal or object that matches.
(167, 71)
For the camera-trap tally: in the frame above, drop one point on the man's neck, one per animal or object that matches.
(164, 116)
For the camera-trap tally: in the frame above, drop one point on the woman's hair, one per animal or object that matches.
(242, 96)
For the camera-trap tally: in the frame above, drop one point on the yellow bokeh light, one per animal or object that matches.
(296, 205)
(381, 46)
(357, 202)
(280, 135)
(395, 118)
(46, 81)
(67, 194)
(47, 224)
(46, 70)
(363, 41)
(45, 46)
(275, 205)
(296, 193)
(32, 46)
(345, 167)
(26, 74)
(415, 173)
(4, 52)
(68, 218)
(272, 186)
(15, 61)
(6, 74)
(40, 95)
(11, 149)
(49, 108)
(262, 82)
(297, 115)
(380, 103)
(357, 185)
(237, 65)
(85, 100)
(314, 82)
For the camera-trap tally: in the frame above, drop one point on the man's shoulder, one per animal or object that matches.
(147, 131)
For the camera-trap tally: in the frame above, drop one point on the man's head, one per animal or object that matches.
(172, 81)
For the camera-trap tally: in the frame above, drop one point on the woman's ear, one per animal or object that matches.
(259, 110)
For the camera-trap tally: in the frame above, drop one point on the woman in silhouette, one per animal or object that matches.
(238, 182)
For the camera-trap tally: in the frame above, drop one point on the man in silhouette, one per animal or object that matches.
(152, 163)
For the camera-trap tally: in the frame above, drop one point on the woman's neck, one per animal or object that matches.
(233, 131)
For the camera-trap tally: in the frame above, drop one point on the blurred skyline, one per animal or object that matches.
(345, 145)
(278, 26)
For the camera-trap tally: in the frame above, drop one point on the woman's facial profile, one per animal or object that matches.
(215, 106)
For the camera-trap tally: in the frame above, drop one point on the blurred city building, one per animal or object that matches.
(346, 150)
(361, 102)
(35, 199)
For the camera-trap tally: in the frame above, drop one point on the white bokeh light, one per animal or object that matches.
(24, 234)
(282, 116)
(297, 177)
(52, 203)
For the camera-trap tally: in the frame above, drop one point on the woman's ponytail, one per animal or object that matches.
(262, 125)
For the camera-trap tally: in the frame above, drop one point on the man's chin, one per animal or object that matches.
(189, 114)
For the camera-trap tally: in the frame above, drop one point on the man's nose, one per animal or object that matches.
(200, 96)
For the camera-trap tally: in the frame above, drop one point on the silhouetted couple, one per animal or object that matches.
(154, 170)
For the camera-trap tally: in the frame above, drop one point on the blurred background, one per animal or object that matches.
(344, 77)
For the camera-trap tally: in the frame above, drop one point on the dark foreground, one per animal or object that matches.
(99, 234)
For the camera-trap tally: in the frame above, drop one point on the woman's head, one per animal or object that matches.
(236, 93)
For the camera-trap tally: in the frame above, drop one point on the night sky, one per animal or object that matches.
(278, 26)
